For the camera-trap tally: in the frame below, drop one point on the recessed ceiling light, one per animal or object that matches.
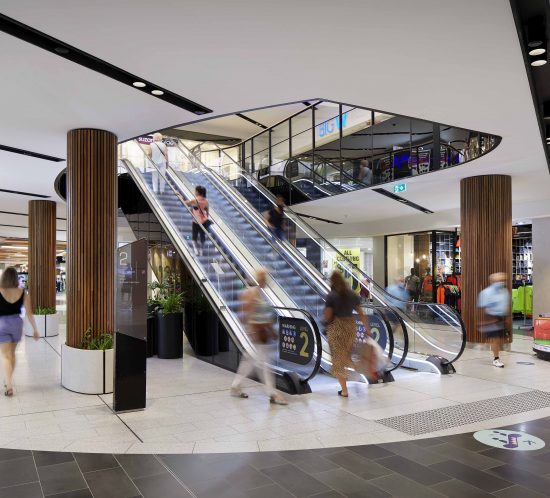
(62, 50)
(537, 51)
(139, 84)
(539, 62)
(157, 92)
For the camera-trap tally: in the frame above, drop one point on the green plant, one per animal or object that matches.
(160, 290)
(44, 311)
(172, 303)
(100, 342)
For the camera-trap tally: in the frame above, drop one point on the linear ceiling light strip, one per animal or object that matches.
(23, 152)
(250, 120)
(62, 49)
(17, 192)
(402, 200)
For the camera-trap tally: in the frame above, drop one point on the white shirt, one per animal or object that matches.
(159, 153)
(495, 300)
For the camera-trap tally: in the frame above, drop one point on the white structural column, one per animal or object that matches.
(541, 266)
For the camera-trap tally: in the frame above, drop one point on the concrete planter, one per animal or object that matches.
(87, 371)
(47, 325)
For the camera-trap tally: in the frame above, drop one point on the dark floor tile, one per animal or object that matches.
(328, 494)
(466, 441)
(459, 489)
(528, 460)
(311, 462)
(83, 493)
(349, 484)
(89, 462)
(518, 492)
(412, 470)
(111, 483)
(478, 460)
(161, 485)
(216, 489)
(358, 465)
(29, 490)
(18, 471)
(267, 459)
(6, 454)
(401, 487)
(428, 442)
(371, 451)
(421, 455)
(294, 480)
(140, 465)
(272, 491)
(198, 468)
(61, 478)
(522, 477)
(477, 478)
(43, 458)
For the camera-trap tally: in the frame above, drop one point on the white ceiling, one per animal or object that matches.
(455, 62)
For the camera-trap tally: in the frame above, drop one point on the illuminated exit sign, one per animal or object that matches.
(400, 187)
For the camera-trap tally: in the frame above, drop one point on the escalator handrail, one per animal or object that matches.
(440, 309)
(235, 270)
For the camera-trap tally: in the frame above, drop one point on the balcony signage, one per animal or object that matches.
(332, 125)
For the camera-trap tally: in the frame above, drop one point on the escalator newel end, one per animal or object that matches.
(294, 384)
(442, 364)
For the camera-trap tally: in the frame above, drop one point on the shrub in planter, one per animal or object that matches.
(170, 326)
(47, 322)
(88, 369)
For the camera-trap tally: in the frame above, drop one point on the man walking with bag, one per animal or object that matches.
(495, 302)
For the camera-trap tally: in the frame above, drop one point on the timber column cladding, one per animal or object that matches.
(91, 232)
(485, 242)
(42, 216)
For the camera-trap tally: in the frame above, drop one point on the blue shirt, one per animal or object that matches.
(495, 300)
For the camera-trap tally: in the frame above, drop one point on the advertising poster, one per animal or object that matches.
(296, 341)
(339, 263)
(377, 328)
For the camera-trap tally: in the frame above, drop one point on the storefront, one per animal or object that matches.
(433, 256)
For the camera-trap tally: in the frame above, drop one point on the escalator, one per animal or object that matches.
(435, 332)
(240, 241)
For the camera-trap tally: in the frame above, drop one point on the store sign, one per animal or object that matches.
(148, 140)
(377, 329)
(296, 341)
(340, 263)
(509, 440)
(332, 125)
(400, 187)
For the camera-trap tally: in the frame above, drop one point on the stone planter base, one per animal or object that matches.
(87, 372)
(47, 325)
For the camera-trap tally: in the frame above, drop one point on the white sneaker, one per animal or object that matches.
(498, 364)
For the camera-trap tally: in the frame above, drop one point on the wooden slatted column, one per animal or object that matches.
(42, 253)
(91, 232)
(485, 241)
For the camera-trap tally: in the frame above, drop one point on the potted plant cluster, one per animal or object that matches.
(47, 322)
(88, 369)
(170, 326)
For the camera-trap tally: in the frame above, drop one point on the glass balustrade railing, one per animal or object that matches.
(339, 148)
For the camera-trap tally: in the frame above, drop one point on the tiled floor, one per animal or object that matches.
(189, 409)
(455, 466)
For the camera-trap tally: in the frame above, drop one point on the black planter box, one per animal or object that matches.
(170, 335)
(188, 324)
(205, 333)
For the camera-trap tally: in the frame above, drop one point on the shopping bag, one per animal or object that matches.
(372, 359)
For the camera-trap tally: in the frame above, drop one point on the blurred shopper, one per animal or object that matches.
(200, 218)
(365, 172)
(159, 155)
(364, 293)
(341, 327)
(399, 293)
(276, 218)
(495, 303)
(413, 285)
(12, 299)
(258, 318)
